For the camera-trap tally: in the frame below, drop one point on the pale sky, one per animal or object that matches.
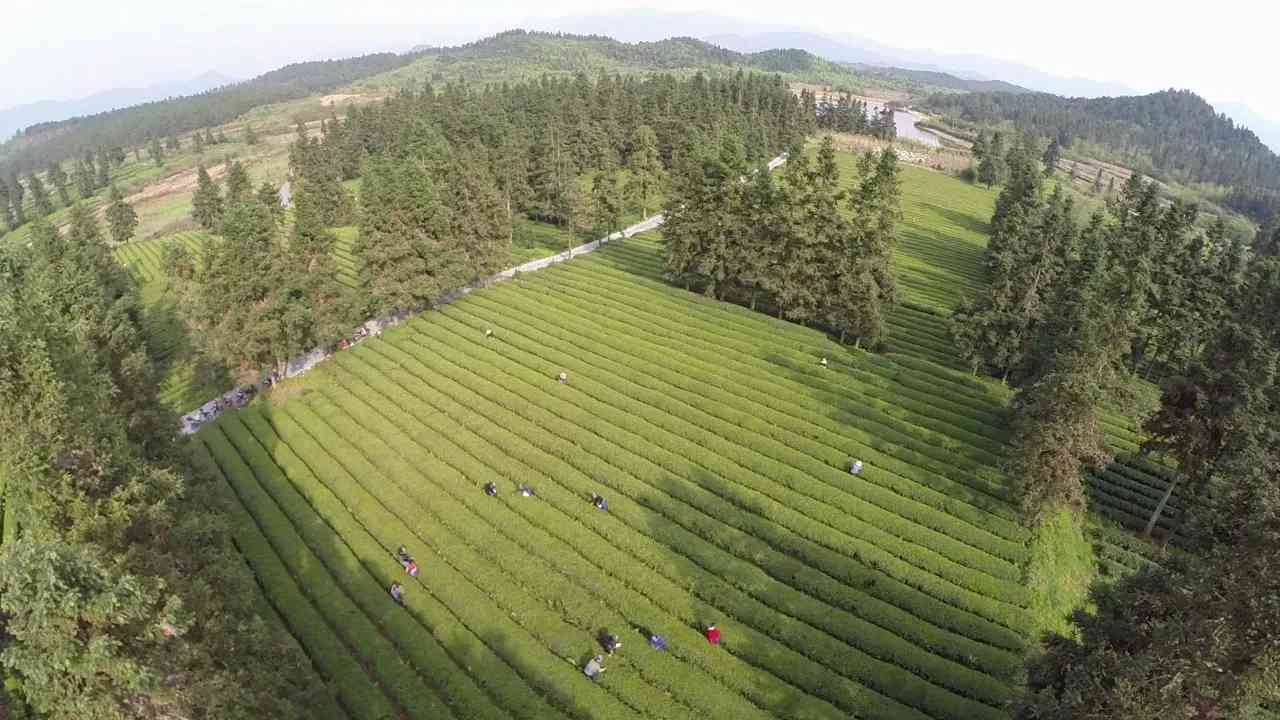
(57, 49)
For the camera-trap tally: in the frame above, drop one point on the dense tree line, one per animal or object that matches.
(1196, 638)
(121, 595)
(258, 294)
(846, 113)
(91, 172)
(443, 176)
(1072, 313)
(805, 247)
(1173, 134)
(136, 126)
(445, 173)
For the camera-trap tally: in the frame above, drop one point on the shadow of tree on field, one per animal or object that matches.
(963, 220)
(923, 431)
(741, 640)
(170, 346)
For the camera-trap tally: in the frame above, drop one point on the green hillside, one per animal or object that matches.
(520, 55)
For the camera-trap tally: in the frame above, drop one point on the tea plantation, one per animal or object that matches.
(723, 447)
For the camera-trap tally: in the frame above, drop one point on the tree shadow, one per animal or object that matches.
(786, 681)
(964, 220)
(922, 428)
(187, 374)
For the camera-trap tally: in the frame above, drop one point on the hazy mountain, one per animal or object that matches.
(850, 48)
(1268, 131)
(826, 47)
(745, 36)
(16, 118)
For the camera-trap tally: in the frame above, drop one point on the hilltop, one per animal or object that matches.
(522, 55)
(1173, 135)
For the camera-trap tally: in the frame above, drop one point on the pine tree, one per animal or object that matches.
(172, 143)
(156, 152)
(699, 222)
(83, 228)
(250, 135)
(206, 203)
(508, 162)
(644, 166)
(269, 196)
(102, 617)
(981, 143)
(866, 284)
(991, 171)
(238, 187)
(403, 236)
(1192, 638)
(756, 250)
(59, 178)
(40, 202)
(209, 139)
(1051, 156)
(103, 176)
(197, 141)
(7, 221)
(1097, 183)
(1055, 414)
(606, 202)
(551, 177)
(478, 227)
(800, 284)
(84, 175)
(17, 193)
(121, 217)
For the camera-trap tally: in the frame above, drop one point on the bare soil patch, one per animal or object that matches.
(344, 98)
(946, 160)
(183, 181)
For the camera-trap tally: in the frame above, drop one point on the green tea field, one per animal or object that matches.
(723, 447)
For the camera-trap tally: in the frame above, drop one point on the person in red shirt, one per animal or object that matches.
(713, 635)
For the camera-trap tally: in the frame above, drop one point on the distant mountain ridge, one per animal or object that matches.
(500, 57)
(55, 141)
(16, 118)
(1172, 134)
(853, 49)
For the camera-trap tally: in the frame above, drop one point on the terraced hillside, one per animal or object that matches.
(723, 448)
(188, 382)
(143, 257)
(943, 234)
